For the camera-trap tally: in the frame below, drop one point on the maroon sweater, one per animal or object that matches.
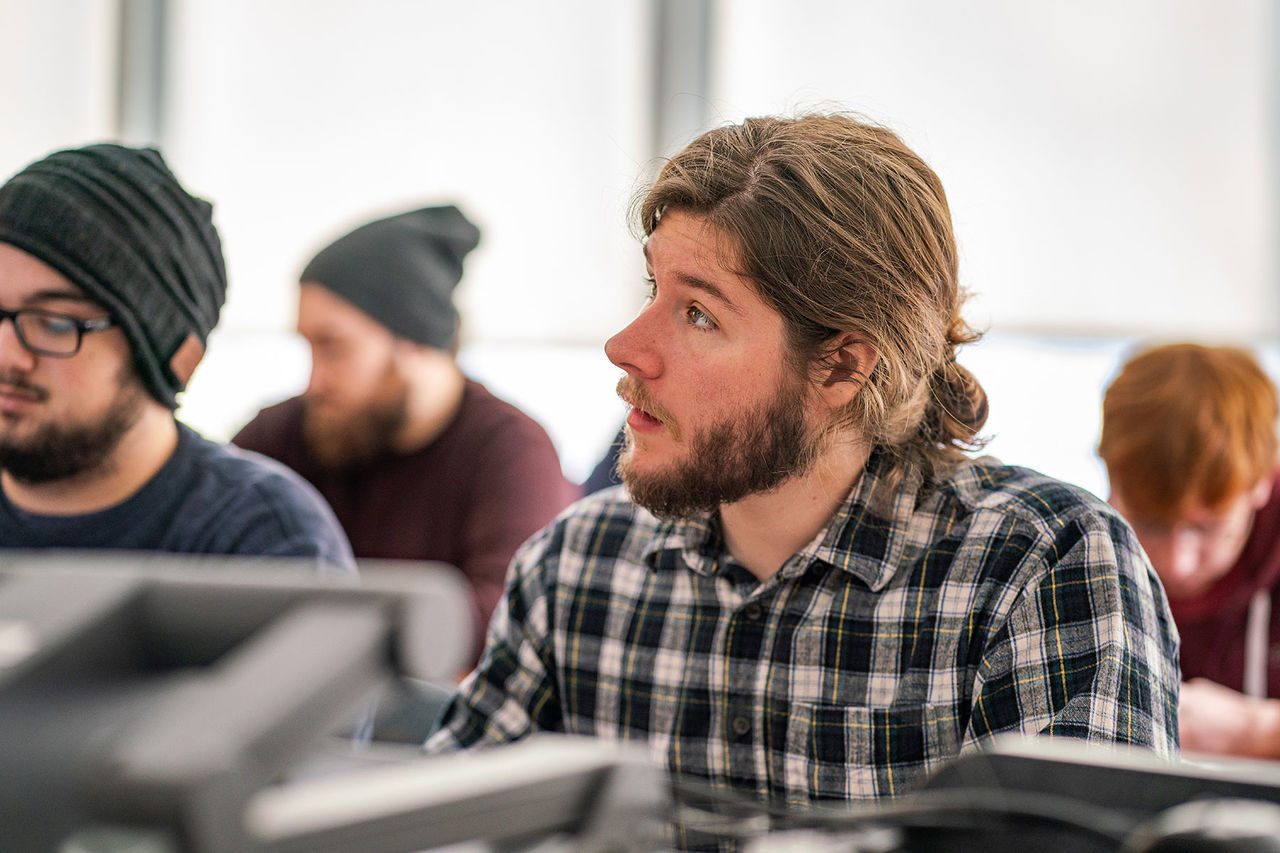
(487, 483)
(1213, 624)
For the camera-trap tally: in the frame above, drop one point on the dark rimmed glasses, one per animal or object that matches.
(50, 333)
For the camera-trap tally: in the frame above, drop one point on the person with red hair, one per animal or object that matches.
(1189, 442)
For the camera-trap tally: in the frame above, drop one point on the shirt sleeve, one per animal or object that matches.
(1089, 649)
(512, 693)
(517, 489)
(292, 520)
(253, 504)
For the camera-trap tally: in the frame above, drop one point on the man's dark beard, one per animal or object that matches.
(61, 451)
(754, 452)
(358, 437)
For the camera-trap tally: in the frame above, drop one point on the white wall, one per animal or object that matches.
(1110, 166)
(306, 118)
(54, 61)
(303, 119)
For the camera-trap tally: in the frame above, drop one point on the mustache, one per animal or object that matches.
(19, 382)
(634, 395)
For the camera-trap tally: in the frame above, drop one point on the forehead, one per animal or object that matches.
(695, 239)
(25, 278)
(1198, 513)
(690, 250)
(1191, 512)
(323, 312)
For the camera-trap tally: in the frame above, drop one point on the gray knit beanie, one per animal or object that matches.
(116, 222)
(402, 271)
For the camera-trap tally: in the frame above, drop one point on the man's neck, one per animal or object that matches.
(435, 396)
(139, 456)
(763, 531)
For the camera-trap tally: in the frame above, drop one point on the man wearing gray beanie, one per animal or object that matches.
(418, 461)
(111, 279)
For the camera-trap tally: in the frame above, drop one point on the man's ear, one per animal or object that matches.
(184, 361)
(1261, 493)
(407, 354)
(845, 367)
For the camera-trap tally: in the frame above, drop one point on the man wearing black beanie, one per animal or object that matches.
(111, 279)
(418, 461)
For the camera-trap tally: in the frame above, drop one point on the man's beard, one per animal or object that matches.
(753, 452)
(353, 438)
(61, 451)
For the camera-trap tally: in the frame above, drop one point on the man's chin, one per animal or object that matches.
(334, 450)
(23, 437)
(667, 494)
(13, 432)
(340, 443)
(326, 414)
(1188, 592)
(47, 457)
(638, 468)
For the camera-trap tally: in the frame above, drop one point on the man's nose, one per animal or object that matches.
(1184, 554)
(318, 381)
(634, 348)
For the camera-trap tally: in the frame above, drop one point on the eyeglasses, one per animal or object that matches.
(50, 333)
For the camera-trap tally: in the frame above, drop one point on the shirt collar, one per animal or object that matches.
(694, 542)
(864, 537)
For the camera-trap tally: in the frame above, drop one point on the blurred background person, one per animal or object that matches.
(111, 279)
(418, 461)
(1189, 443)
(605, 473)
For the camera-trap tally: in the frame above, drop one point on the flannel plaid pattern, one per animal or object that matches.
(918, 622)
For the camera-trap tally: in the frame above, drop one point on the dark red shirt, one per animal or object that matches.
(1213, 625)
(469, 498)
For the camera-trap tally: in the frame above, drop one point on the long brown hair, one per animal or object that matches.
(844, 229)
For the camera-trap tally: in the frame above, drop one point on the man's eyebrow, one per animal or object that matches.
(708, 287)
(60, 295)
(697, 283)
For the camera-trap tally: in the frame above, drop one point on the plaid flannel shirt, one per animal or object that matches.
(918, 622)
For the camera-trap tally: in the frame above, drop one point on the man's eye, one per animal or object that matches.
(55, 325)
(697, 317)
(327, 349)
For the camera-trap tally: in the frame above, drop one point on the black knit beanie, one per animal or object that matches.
(401, 271)
(116, 222)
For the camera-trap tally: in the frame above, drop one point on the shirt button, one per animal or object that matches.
(753, 611)
(740, 725)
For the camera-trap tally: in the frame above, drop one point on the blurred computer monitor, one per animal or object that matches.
(1071, 796)
(160, 691)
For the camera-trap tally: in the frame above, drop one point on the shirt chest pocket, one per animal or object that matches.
(859, 752)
